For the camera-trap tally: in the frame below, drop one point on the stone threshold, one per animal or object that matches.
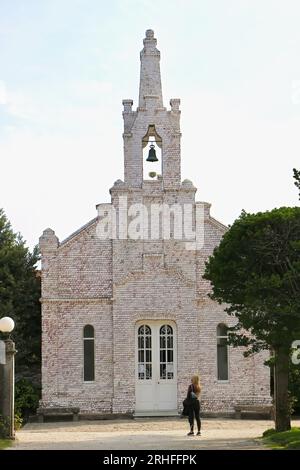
(156, 414)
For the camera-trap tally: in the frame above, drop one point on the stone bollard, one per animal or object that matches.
(7, 388)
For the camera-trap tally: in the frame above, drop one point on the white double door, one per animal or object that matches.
(156, 366)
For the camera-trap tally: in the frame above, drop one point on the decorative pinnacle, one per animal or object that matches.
(150, 81)
(149, 34)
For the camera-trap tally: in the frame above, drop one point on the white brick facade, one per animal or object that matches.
(112, 284)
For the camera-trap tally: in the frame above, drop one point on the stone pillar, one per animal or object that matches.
(7, 390)
(49, 244)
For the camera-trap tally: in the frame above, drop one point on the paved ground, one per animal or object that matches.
(146, 434)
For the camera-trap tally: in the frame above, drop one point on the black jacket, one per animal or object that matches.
(187, 403)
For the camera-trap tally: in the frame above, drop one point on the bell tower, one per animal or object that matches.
(151, 132)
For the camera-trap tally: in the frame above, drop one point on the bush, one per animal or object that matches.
(294, 386)
(26, 399)
(4, 427)
(18, 422)
(26, 402)
(269, 432)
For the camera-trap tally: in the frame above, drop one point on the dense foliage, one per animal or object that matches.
(20, 293)
(256, 271)
(26, 398)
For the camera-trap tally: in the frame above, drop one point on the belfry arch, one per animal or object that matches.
(152, 148)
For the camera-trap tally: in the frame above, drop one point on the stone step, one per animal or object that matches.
(156, 414)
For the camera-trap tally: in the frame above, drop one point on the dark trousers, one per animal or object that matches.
(194, 413)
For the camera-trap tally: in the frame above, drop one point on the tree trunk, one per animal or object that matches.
(281, 395)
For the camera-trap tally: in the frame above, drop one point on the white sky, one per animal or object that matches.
(66, 65)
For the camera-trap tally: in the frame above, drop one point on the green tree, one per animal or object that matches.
(297, 179)
(256, 271)
(20, 293)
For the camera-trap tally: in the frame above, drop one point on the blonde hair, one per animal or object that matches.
(196, 383)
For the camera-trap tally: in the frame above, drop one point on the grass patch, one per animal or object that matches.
(287, 440)
(5, 443)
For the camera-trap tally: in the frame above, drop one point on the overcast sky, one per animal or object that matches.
(66, 65)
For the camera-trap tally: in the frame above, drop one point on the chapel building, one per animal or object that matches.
(126, 317)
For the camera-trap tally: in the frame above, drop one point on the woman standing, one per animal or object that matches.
(193, 396)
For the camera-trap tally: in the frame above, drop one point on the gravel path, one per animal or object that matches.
(146, 434)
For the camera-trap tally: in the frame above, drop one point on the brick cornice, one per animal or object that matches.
(78, 300)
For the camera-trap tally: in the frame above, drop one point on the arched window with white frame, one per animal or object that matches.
(166, 352)
(88, 353)
(144, 353)
(222, 352)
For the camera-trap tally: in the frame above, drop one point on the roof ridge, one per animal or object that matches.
(74, 234)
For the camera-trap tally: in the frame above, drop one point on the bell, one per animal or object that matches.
(152, 155)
